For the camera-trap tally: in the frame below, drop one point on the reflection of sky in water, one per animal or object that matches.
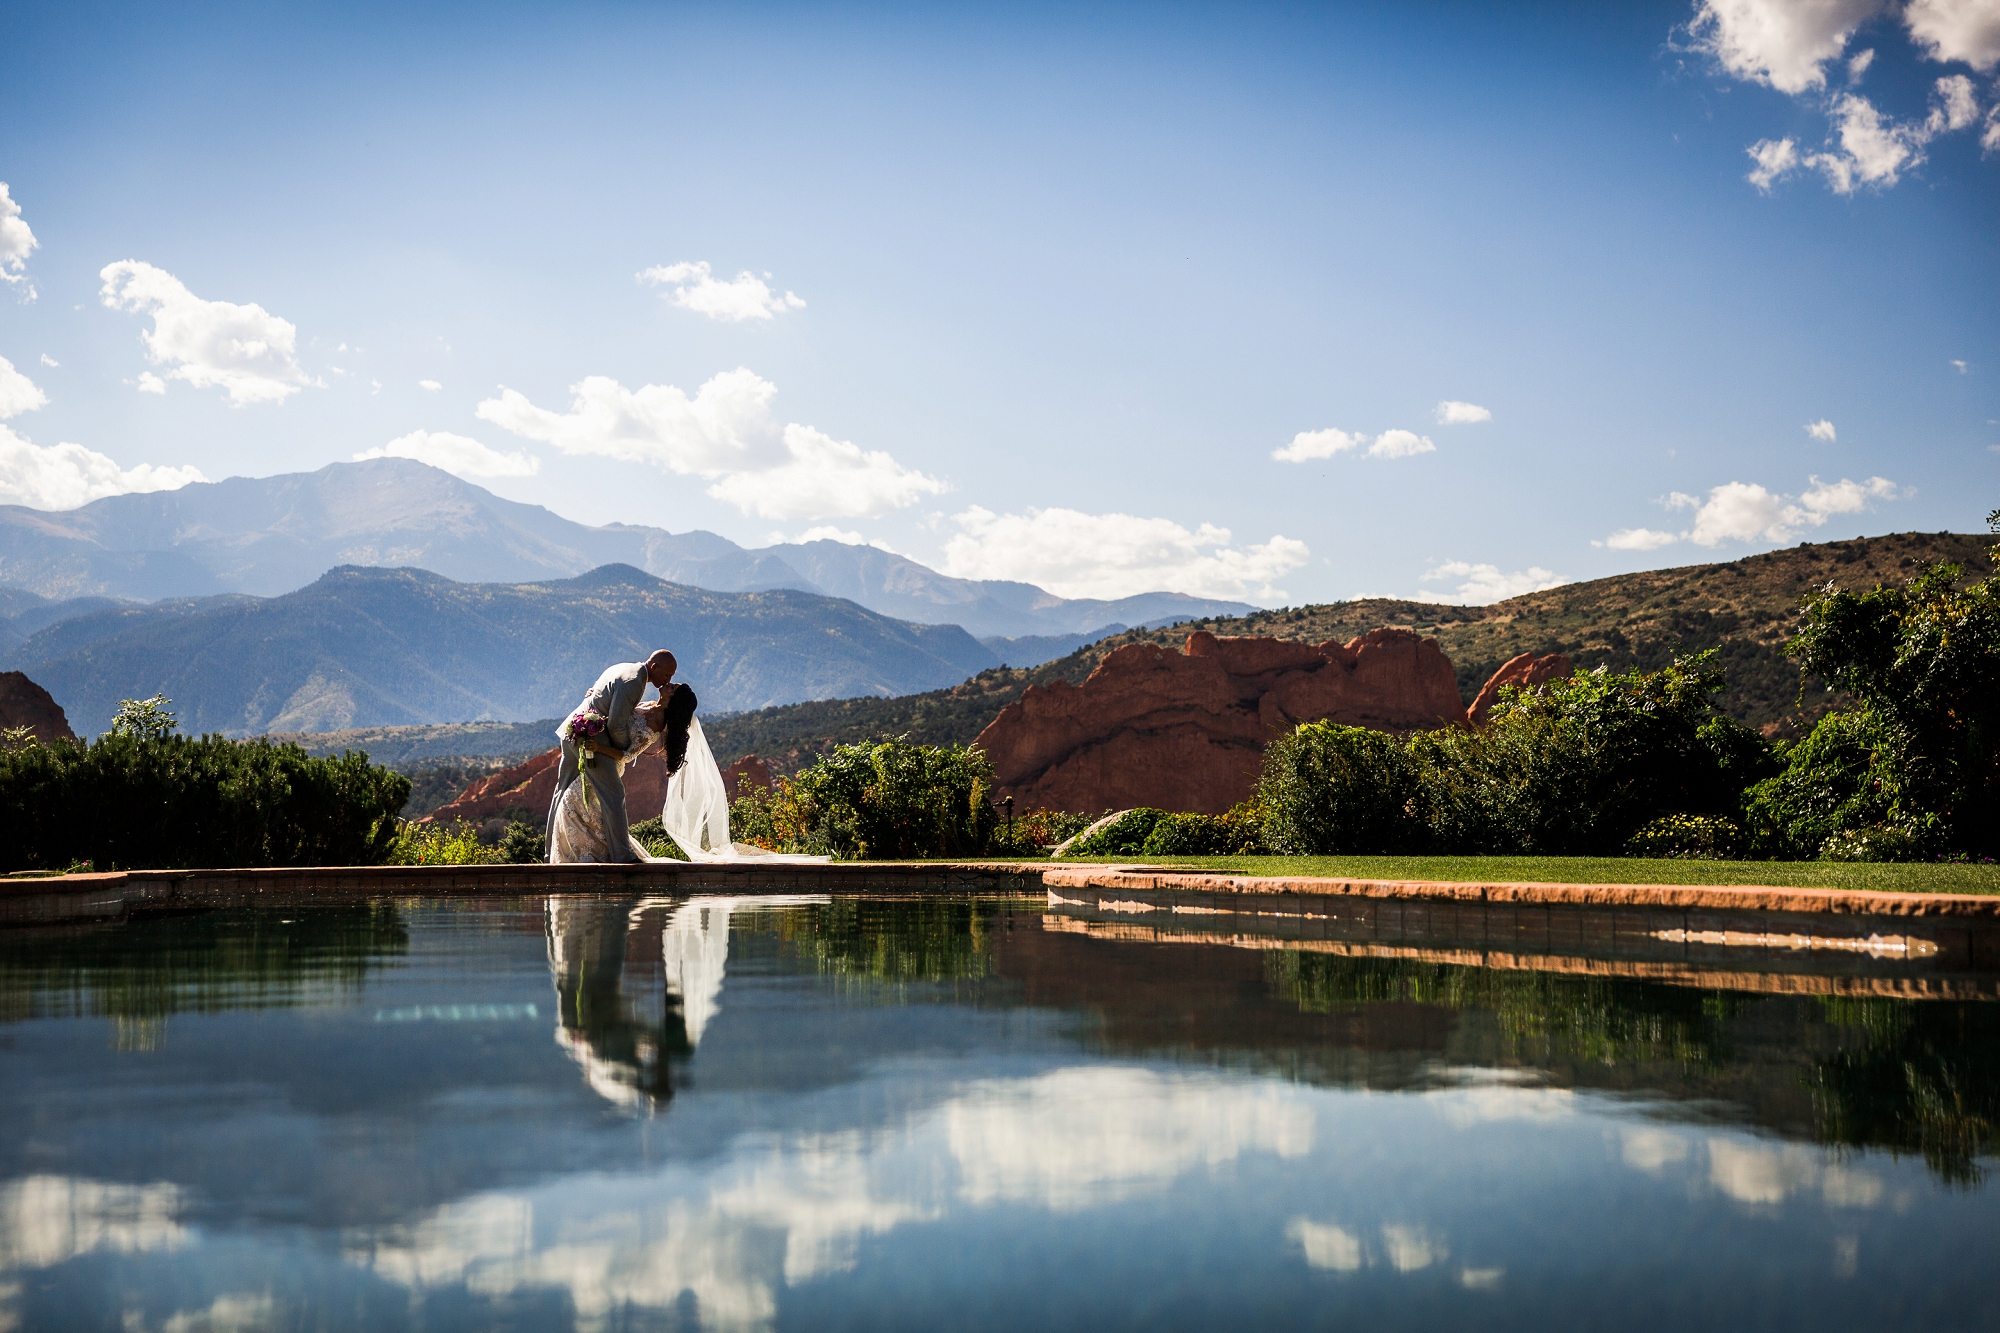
(810, 1157)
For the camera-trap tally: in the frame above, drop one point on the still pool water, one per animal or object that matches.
(605, 1113)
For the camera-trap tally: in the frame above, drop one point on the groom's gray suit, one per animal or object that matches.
(616, 693)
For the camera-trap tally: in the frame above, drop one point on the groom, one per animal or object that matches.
(616, 693)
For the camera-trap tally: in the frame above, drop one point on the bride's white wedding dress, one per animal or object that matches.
(697, 810)
(696, 814)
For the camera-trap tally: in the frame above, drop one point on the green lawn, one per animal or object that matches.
(1608, 870)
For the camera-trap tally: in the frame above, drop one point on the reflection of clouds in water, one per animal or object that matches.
(1486, 1102)
(1086, 1136)
(47, 1220)
(1749, 1170)
(239, 1312)
(1405, 1248)
(783, 1211)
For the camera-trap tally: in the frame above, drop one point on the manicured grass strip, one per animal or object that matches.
(1606, 870)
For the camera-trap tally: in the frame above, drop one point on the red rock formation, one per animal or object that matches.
(531, 786)
(1525, 670)
(746, 775)
(1187, 731)
(26, 704)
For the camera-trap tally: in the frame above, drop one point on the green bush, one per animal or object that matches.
(440, 845)
(888, 800)
(1329, 789)
(1124, 836)
(130, 801)
(1033, 833)
(1570, 768)
(1238, 832)
(1688, 838)
(1838, 778)
(522, 843)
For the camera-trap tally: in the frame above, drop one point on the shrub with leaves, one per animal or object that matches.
(652, 835)
(1036, 831)
(1237, 832)
(1122, 835)
(440, 845)
(1923, 663)
(130, 801)
(521, 843)
(1687, 838)
(888, 800)
(1329, 789)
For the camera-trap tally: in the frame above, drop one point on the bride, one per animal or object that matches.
(697, 807)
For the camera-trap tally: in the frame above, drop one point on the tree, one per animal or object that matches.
(144, 719)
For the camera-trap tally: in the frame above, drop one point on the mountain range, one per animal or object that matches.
(372, 647)
(265, 536)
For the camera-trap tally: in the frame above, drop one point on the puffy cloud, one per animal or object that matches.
(1453, 413)
(432, 385)
(1967, 30)
(1859, 65)
(243, 349)
(148, 382)
(1784, 44)
(1075, 554)
(1400, 444)
(1313, 444)
(1821, 430)
(69, 475)
(49, 361)
(1485, 584)
(1745, 511)
(459, 454)
(826, 477)
(1774, 158)
(1956, 105)
(1638, 539)
(726, 433)
(1873, 150)
(18, 393)
(16, 241)
(692, 287)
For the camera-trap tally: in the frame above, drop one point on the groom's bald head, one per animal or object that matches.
(660, 668)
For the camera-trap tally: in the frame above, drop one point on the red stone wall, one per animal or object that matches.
(26, 704)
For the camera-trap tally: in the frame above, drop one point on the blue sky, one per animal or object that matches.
(1126, 299)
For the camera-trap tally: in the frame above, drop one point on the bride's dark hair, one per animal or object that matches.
(680, 715)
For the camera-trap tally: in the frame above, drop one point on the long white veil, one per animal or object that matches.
(697, 810)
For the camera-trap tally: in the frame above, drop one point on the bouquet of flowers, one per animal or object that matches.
(584, 726)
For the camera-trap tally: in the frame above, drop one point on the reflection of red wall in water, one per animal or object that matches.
(531, 786)
(1187, 731)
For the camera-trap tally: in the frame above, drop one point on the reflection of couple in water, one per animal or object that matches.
(601, 738)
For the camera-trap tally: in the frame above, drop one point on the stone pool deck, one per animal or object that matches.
(29, 899)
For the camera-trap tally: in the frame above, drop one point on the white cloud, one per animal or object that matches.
(725, 432)
(243, 349)
(743, 297)
(1746, 512)
(49, 361)
(432, 385)
(1775, 158)
(17, 240)
(1967, 30)
(148, 382)
(1859, 65)
(1783, 44)
(1638, 539)
(1400, 444)
(1821, 430)
(1960, 365)
(458, 454)
(1485, 584)
(1453, 413)
(1075, 554)
(1313, 444)
(69, 475)
(1956, 107)
(18, 393)
(1873, 150)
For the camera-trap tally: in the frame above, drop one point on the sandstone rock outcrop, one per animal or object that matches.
(531, 786)
(1187, 731)
(746, 775)
(1525, 670)
(26, 704)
